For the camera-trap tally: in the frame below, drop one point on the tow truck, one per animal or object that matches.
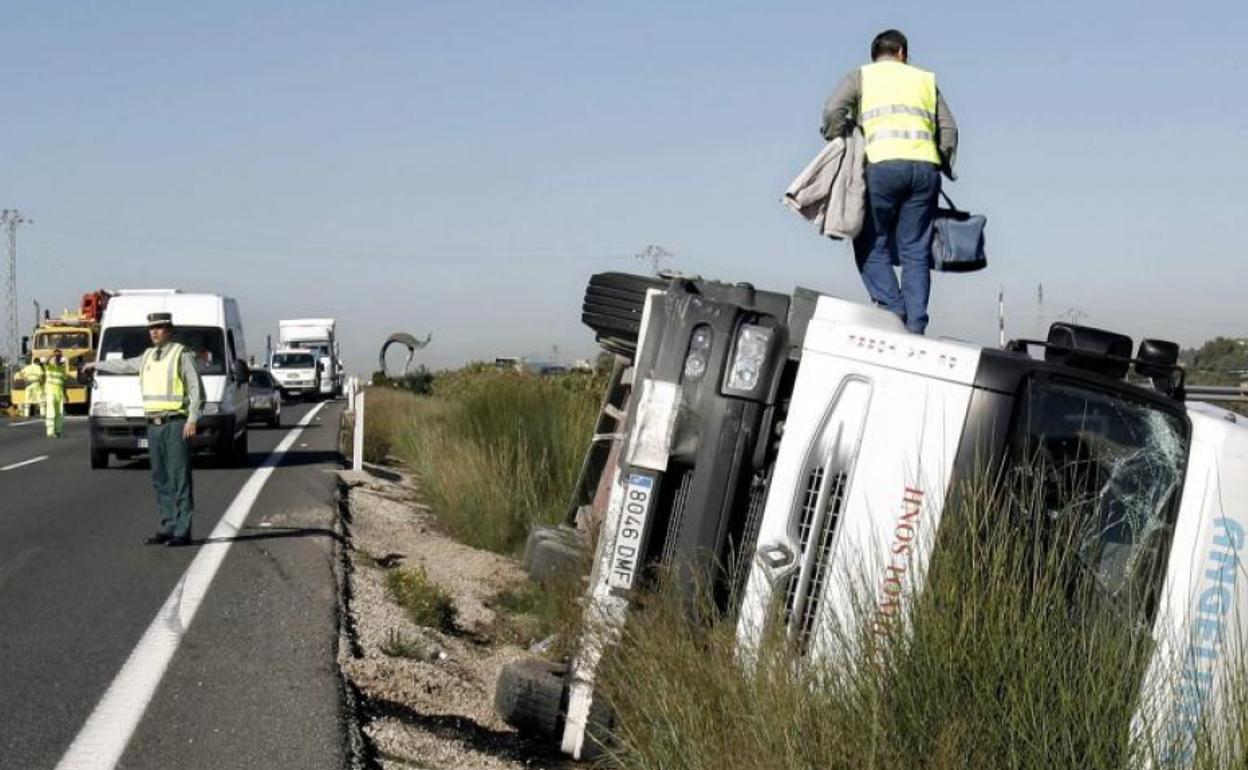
(77, 335)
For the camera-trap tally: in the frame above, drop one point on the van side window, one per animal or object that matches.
(229, 339)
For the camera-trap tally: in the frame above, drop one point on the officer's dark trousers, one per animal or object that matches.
(171, 475)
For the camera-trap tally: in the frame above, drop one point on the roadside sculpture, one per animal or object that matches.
(411, 343)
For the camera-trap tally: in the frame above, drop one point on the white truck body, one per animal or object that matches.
(881, 422)
(319, 336)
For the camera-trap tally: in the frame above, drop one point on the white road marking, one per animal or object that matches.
(102, 740)
(24, 422)
(31, 461)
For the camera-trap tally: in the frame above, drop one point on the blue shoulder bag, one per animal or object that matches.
(958, 240)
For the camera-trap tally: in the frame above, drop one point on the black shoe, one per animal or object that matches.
(160, 538)
(177, 542)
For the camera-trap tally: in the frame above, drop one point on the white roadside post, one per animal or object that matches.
(357, 452)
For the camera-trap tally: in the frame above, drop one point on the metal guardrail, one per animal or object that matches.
(1217, 393)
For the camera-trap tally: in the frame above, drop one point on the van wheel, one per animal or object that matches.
(239, 452)
(529, 697)
(99, 458)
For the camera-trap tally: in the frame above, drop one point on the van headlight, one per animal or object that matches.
(107, 409)
(746, 368)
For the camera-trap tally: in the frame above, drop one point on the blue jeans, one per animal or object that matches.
(902, 196)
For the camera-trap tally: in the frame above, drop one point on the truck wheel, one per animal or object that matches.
(612, 307)
(529, 697)
(99, 458)
(554, 550)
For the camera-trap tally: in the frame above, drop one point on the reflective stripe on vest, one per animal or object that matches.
(898, 112)
(161, 381)
(54, 378)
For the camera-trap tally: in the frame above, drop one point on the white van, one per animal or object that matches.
(209, 325)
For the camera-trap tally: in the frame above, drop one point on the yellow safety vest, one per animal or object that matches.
(898, 112)
(33, 374)
(161, 381)
(54, 378)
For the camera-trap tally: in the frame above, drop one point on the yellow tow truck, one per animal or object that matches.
(77, 335)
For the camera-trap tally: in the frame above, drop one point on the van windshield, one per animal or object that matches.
(1111, 466)
(293, 361)
(207, 342)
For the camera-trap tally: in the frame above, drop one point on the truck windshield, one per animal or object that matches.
(1115, 464)
(293, 361)
(63, 340)
(206, 342)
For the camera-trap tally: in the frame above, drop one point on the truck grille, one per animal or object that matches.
(676, 520)
(822, 562)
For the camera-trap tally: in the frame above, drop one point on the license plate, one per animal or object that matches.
(626, 555)
(142, 443)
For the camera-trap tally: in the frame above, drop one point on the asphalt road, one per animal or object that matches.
(252, 683)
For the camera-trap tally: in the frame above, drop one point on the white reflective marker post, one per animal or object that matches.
(357, 450)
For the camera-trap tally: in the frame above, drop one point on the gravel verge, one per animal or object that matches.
(431, 706)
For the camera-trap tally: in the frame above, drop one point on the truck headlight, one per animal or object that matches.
(747, 360)
(108, 409)
(699, 350)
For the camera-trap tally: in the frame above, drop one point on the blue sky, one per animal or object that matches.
(462, 167)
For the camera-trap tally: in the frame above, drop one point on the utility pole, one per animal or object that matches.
(9, 220)
(1040, 310)
(1075, 314)
(654, 255)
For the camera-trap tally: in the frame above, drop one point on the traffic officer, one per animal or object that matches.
(172, 399)
(54, 373)
(32, 373)
(911, 138)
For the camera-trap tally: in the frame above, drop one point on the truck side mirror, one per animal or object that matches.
(242, 372)
(25, 347)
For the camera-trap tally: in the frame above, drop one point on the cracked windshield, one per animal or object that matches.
(1115, 463)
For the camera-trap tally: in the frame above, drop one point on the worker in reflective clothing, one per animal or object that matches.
(172, 399)
(54, 373)
(32, 373)
(911, 137)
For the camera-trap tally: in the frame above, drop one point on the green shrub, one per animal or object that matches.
(425, 602)
(400, 645)
(498, 451)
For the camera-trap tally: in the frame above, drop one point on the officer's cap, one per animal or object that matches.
(159, 319)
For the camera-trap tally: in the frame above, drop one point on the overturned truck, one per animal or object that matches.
(769, 440)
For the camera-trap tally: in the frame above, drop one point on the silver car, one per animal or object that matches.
(266, 398)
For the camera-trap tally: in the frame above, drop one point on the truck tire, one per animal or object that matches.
(612, 308)
(554, 550)
(529, 697)
(99, 458)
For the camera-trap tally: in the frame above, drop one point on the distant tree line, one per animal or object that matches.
(1219, 361)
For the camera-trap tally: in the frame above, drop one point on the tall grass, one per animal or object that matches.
(1009, 658)
(496, 451)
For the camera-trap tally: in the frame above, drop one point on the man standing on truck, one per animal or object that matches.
(54, 373)
(172, 398)
(911, 137)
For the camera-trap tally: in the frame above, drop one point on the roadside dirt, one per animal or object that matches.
(432, 705)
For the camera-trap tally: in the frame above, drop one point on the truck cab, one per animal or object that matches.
(297, 372)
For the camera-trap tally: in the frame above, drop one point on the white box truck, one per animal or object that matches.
(316, 335)
(208, 324)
